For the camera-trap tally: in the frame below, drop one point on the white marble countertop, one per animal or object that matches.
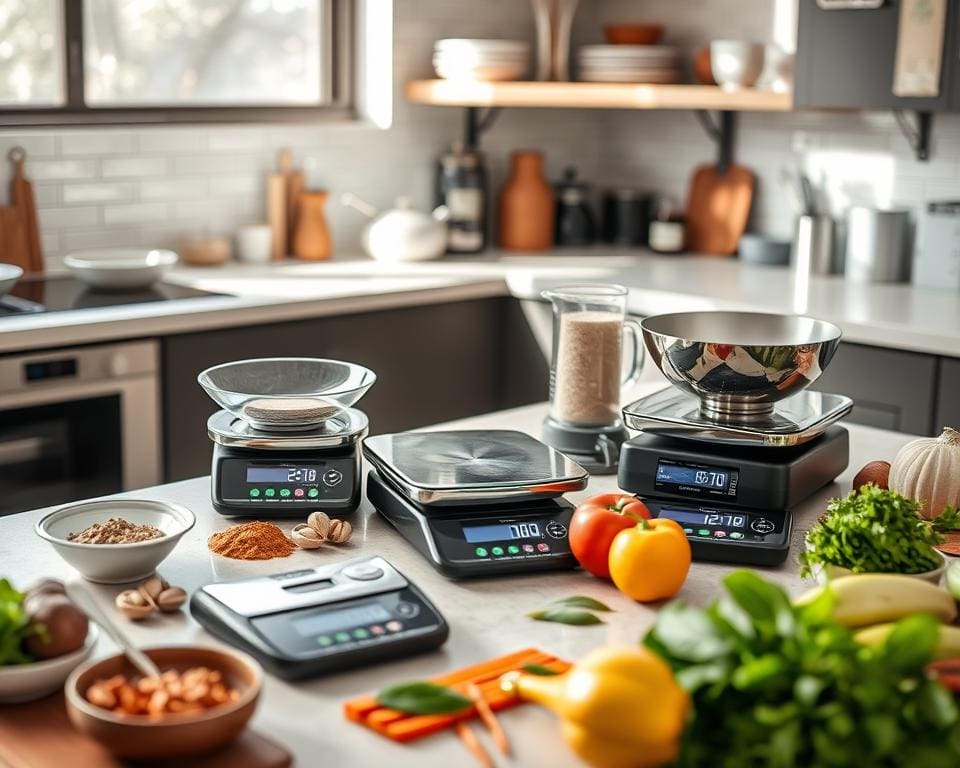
(895, 316)
(486, 617)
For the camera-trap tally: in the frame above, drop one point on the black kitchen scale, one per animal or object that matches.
(325, 619)
(476, 502)
(261, 473)
(731, 485)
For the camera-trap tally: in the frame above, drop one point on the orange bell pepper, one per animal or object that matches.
(650, 561)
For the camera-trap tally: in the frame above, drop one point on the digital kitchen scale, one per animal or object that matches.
(258, 473)
(731, 485)
(319, 620)
(476, 502)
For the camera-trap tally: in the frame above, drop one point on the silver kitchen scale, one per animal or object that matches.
(319, 620)
(476, 502)
(288, 439)
(737, 440)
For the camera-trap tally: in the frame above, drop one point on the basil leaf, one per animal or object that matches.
(688, 634)
(582, 601)
(572, 616)
(766, 603)
(912, 643)
(422, 698)
(539, 670)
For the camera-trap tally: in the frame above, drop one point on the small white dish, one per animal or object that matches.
(28, 682)
(120, 269)
(115, 563)
(736, 63)
(9, 274)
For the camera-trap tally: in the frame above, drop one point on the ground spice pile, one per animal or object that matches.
(116, 530)
(251, 541)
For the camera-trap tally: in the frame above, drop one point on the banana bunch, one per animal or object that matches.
(872, 603)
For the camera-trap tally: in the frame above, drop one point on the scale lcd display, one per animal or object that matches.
(281, 475)
(697, 479)
(479, 534)
(705, 517)
(345, 618)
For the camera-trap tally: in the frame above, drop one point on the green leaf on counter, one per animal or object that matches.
(422, 698)
(573, 616)
(539, 670)
(582, 601)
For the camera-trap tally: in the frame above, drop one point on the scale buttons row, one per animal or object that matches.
(283, 493)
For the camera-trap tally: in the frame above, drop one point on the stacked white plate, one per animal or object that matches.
(629, 64)
(464, 59)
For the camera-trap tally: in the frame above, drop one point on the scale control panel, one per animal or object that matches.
(728, 534)
(316, 620)
(511, 535)
(250, 483)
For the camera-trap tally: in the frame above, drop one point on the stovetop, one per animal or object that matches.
(61, 294)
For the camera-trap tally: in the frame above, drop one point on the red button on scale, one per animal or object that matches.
(298, 493)
(393, 626)
(376, 630)
(541, 547)
(720, 534)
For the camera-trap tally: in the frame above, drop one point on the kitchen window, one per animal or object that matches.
(154, 61)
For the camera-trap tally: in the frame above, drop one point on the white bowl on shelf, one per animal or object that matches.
(120, 269)
(28, 682)
(736, 63)
(115, 563)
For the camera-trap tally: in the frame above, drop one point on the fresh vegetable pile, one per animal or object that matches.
(873, 531)
(776, 685)
(38, 623)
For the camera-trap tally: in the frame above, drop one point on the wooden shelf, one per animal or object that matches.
(450, 93)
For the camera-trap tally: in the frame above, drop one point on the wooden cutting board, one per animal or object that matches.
(39, 735)
(21, 198)
(718, 207)
(14, 247)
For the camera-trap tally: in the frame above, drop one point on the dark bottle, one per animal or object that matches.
(574, 221)
(462, 188)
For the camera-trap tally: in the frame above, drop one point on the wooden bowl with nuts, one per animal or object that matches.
(203, 700)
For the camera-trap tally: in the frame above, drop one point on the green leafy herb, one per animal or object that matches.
(780, 686)
(582, 601)
(948, 520)
(873, 531)
(574, 616)
(421, 698)
(539, 670)
(14, 625)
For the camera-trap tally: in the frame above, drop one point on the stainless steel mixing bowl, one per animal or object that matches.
(739, 363)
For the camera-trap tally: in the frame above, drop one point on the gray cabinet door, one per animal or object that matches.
(948, 396)
(891, 389)
(845, 58)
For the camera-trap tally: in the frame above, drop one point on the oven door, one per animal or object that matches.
(78, 424)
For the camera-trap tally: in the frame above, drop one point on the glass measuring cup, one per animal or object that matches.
(587, 371)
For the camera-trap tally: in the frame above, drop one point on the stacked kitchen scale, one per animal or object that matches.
(737, 441)
(287, 437)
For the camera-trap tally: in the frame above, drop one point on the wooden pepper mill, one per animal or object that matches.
(526, 205)
(311, 235)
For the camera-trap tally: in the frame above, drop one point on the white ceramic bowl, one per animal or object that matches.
(120, 269)
(115, 563)
(9, 274)
(825, 573)
(27, 682)
(736, 63)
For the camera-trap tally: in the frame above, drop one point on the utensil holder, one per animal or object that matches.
(813, 250)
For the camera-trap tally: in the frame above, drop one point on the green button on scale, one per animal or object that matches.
(324, 641)
(313, 493)
(361, 633)
(513, 549)
(342, 637)
(270, 493)
(254, 493)
(704, 532)
(480, 552)
(284, 492)
(497, 551)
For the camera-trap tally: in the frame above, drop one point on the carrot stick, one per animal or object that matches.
(470, 741)
(497, 733)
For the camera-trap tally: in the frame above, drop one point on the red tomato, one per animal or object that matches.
(594, 525)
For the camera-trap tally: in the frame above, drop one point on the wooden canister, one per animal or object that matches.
(526, 205)
(311, 235)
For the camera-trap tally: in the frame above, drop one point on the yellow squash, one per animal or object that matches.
(620, 707)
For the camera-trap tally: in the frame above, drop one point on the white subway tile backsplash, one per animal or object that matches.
(60, 218)
(138, 213)
(98, 238)
(193, 164)
(36, 144)
(172, 139)
(101, 142)
(235, 139)
(59, 170)
(237, 185)
(98, 193)
(129, 167)
(46, 195)
(173, 188)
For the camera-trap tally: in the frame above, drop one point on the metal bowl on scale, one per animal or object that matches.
(739, 364)
(286, 393)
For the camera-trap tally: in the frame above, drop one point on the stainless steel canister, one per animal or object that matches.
(877, 245)
(812, 250)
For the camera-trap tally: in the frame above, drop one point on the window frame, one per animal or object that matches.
(338, 84)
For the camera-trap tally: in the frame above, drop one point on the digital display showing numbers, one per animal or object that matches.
(479, 534)
(698, 479)
(722, 519)
(280, 475)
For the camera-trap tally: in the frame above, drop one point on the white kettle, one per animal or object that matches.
(401, 233)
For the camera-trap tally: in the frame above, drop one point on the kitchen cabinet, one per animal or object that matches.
(947, 413)
(433, 363)
(891, 389)
(845, 59)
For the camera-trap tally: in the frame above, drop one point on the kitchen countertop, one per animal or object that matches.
(895, 316)
(487, 617)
